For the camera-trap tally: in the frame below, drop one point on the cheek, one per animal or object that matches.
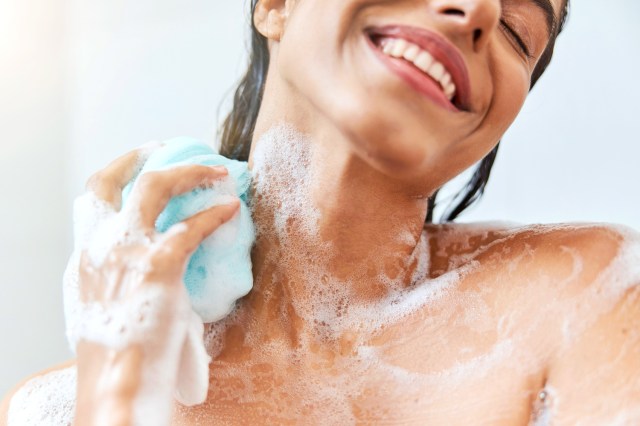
(509, 88)
(511, 84)
(306, 59)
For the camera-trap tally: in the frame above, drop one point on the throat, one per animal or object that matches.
(328, 243)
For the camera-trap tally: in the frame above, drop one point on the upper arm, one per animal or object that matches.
(6, 402)
(596, 379)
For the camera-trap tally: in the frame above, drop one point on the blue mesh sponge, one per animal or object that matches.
(219, 272)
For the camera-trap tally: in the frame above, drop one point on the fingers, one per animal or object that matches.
(153, 190)
(185, 237)
(107, 184)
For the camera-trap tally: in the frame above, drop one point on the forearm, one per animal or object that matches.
(131, 386)
(109, 382)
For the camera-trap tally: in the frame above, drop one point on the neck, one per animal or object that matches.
(333, 233)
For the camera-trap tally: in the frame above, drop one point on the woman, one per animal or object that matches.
(360, 313)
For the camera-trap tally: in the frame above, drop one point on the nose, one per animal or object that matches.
(475, 20)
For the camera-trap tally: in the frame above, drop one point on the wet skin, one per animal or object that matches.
(586, 374)
(521, 319)
(432, 340)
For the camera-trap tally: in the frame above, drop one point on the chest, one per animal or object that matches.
(469, 345)
(448, 363)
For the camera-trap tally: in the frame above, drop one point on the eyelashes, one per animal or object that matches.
(515, 37)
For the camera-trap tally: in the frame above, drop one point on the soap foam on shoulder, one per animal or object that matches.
(47, 400)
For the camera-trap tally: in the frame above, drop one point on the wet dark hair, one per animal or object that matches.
(237, 129)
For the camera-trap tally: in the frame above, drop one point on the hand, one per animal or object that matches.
(123, 288)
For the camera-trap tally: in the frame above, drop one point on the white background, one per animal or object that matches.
(83, 81)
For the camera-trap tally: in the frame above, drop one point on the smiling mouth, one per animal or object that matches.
(424, 60)
(421, 59)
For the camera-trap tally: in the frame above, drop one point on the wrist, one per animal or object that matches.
(108, 383)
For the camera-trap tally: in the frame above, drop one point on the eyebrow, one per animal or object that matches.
(550, 14)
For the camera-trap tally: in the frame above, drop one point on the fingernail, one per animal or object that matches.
(219, 168)
(152, 145)
(145, 151)
(234, 201)
(149, 147)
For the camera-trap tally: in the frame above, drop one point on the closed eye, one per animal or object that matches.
(515, 37)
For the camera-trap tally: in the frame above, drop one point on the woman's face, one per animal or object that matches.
(420, 87)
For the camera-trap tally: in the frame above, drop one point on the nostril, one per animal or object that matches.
(453, 12)
(476, 35)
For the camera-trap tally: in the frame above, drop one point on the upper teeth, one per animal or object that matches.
(400, 48)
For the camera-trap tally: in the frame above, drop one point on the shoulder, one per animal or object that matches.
(573, 271)
(577, 289)
(594, 372)
(597, 376)
(47, 397)
(598, 244)
(596, 253)
(571, 294)
(587, 263)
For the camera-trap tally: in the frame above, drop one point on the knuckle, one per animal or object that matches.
(193, 174)
(151, 182)
(166, 257)
(195, 233)
(201, 234)
(204, 172)
(158, 260)
(150, 179)
(99, 179)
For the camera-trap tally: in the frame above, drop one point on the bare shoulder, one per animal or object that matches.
(578, 292)
(596, 254)
(603, 239)
(550, 247)
(570, 275)
(594, 374)
(46, 396)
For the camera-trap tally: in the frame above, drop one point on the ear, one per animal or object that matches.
(270, 17)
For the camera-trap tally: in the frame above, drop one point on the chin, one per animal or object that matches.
(389, 152)
(384, 142)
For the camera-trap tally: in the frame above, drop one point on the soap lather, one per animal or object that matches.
(219, 271)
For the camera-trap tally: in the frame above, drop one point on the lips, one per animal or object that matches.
(442, 51)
